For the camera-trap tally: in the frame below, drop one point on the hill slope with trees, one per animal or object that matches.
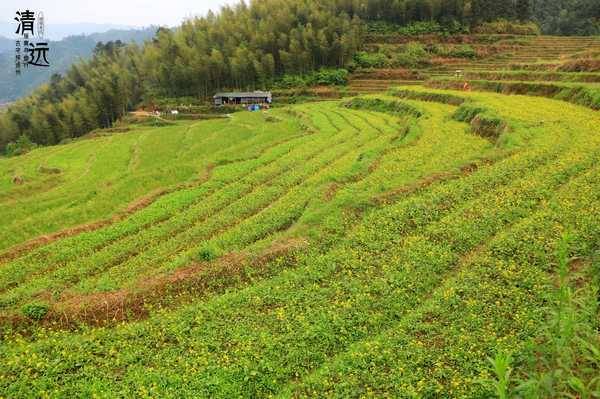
(63, 54)
(247, 46)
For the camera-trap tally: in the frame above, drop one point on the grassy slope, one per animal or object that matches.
(244, 204)
(102, 175)
(416, 270)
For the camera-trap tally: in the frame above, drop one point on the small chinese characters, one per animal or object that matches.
(28, 52)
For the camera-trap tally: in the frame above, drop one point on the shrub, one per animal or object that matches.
(484, 122)
(582, 95)
(409, 55)
(417, 28)
(503, 26)
(467, 111)
(364, 59)
(454, 51)
(488, 125)
(208, 252)
(413, 55)
(288, 81)
(426, 96)
(325, 77)
(330, 77)
(22, 146)
(35, 311)
(379, 105)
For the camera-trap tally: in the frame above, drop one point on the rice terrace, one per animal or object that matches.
(414, 213)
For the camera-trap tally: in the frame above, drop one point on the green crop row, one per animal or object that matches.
(158, 243)
(262, 212)
(101, 176)
(336, 309)
(588, 96)
(493, 304)
(424, 96)
(430, 251)
(380, 105)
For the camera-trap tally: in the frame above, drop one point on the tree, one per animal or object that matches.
(523, 10)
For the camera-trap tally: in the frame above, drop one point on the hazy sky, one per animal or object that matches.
(121, 12)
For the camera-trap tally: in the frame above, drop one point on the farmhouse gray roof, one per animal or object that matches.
(244, 94)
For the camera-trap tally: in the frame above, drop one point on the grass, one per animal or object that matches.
(586, 95)
(570, 349)
(533, 76)
(101, 176)
(341, 248)
(379, 105)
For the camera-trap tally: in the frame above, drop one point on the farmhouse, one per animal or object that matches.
(251, 97)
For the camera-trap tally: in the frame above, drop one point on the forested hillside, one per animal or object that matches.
(565, 17)
(248, 46)
(63, 54)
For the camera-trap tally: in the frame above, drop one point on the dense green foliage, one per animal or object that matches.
(567, 17)
(447, 16)
(410, 55)
(416, 28)
(325, 77)
(422, 28)
(20, 146)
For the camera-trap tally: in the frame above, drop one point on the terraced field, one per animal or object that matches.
(387, 245)
(499, 59)
(93, 179)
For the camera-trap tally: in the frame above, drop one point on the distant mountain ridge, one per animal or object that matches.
(6, 44)
(55, 31)
(62, 54)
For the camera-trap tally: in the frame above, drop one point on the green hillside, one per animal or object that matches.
(416, 215)
(63, 53)
(326, 248)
